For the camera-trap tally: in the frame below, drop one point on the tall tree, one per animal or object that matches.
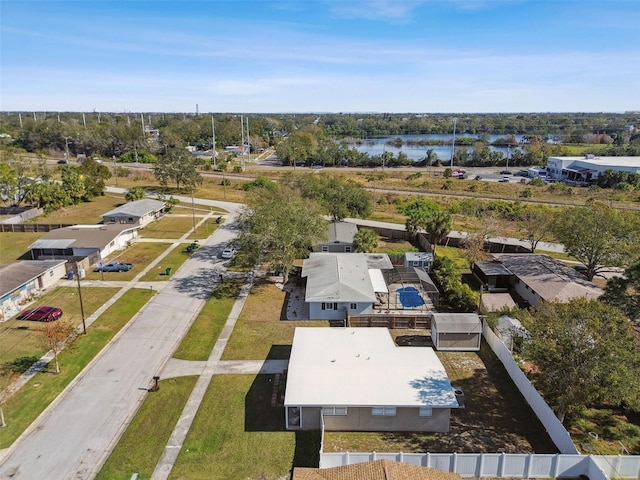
(418, 215)
(366, 240)
(624, 292)
(178, 166)
(584, 354)
(278, 226)
(535, 225)
(438, 226)
(599, 236)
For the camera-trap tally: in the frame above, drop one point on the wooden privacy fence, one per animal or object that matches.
(422, 321)
(32, 227)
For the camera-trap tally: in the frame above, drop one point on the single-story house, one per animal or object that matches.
(76, 243)
(540, 278)
(375, 470)
(493, 276)
(19, 281)
(358, 379)
(419, 260)
(140, 212)
(461, 332)
(338, 284)
(340, 238)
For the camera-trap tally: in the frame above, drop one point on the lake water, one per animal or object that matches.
(378, 145)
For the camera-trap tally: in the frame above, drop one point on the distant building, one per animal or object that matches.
(589, 167)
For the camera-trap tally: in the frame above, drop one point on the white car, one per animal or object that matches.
(228, 252)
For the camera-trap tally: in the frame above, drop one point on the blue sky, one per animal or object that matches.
(320, 56)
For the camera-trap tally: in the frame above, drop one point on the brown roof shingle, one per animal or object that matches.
(376, 470)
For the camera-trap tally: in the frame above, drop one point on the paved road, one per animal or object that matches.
(73, 437)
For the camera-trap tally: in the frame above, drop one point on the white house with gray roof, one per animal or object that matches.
(358, 379)
(341, 284)
(21, 280)
(140, 212)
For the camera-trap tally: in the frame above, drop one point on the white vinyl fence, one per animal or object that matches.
(503, 464)
(554, 427)
(569, 463)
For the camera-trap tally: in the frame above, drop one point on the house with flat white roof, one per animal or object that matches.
(589, 167)
(341, 284)
(358, 379)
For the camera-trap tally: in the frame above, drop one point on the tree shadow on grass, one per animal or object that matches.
(18, 366)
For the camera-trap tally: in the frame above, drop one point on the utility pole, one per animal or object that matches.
(242, 137)
(84, 326)
(453, 145)
(193, 209)
(213, 136)
(248, 140)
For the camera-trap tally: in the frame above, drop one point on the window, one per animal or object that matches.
(347, 249)
(426, 411)
(329, 306)
(51, 273)
(353, 306)
(325, 248)
(383, 411)
(333, 411)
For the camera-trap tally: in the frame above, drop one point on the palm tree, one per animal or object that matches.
(438, 225)
(366, 240)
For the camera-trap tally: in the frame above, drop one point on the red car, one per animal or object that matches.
(43, 313)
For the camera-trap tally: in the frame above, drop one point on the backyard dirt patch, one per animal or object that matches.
(495, 418)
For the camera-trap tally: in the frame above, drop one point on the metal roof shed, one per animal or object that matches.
(456, 331)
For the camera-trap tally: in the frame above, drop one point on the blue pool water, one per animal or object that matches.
(410, 297)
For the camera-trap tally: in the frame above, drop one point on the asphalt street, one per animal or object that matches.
(75, 434)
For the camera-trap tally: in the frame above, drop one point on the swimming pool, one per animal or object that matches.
(410, 297)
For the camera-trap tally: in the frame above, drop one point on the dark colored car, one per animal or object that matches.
(583, 269)
(43, 313)
(113, 267)
(505, 172)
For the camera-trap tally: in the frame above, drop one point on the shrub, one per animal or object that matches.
(526, 193)
(447, 184)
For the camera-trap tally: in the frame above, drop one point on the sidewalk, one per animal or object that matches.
(77, 431)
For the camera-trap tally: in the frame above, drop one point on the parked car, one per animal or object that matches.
(505, 172)
(583, 269)
(504, 180)
(43, 313)
(228, 252)
(113, 267)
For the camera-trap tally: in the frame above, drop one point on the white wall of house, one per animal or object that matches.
(525, 292)
(337, 310)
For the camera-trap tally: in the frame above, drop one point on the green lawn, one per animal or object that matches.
(19, 343)
(238, 434)
(173, 227)
(174, 259)
(23, 407)
(13, 245)
(259, 332)
(206, 328)
(84, 213)
(141, 446)
(140, 254)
